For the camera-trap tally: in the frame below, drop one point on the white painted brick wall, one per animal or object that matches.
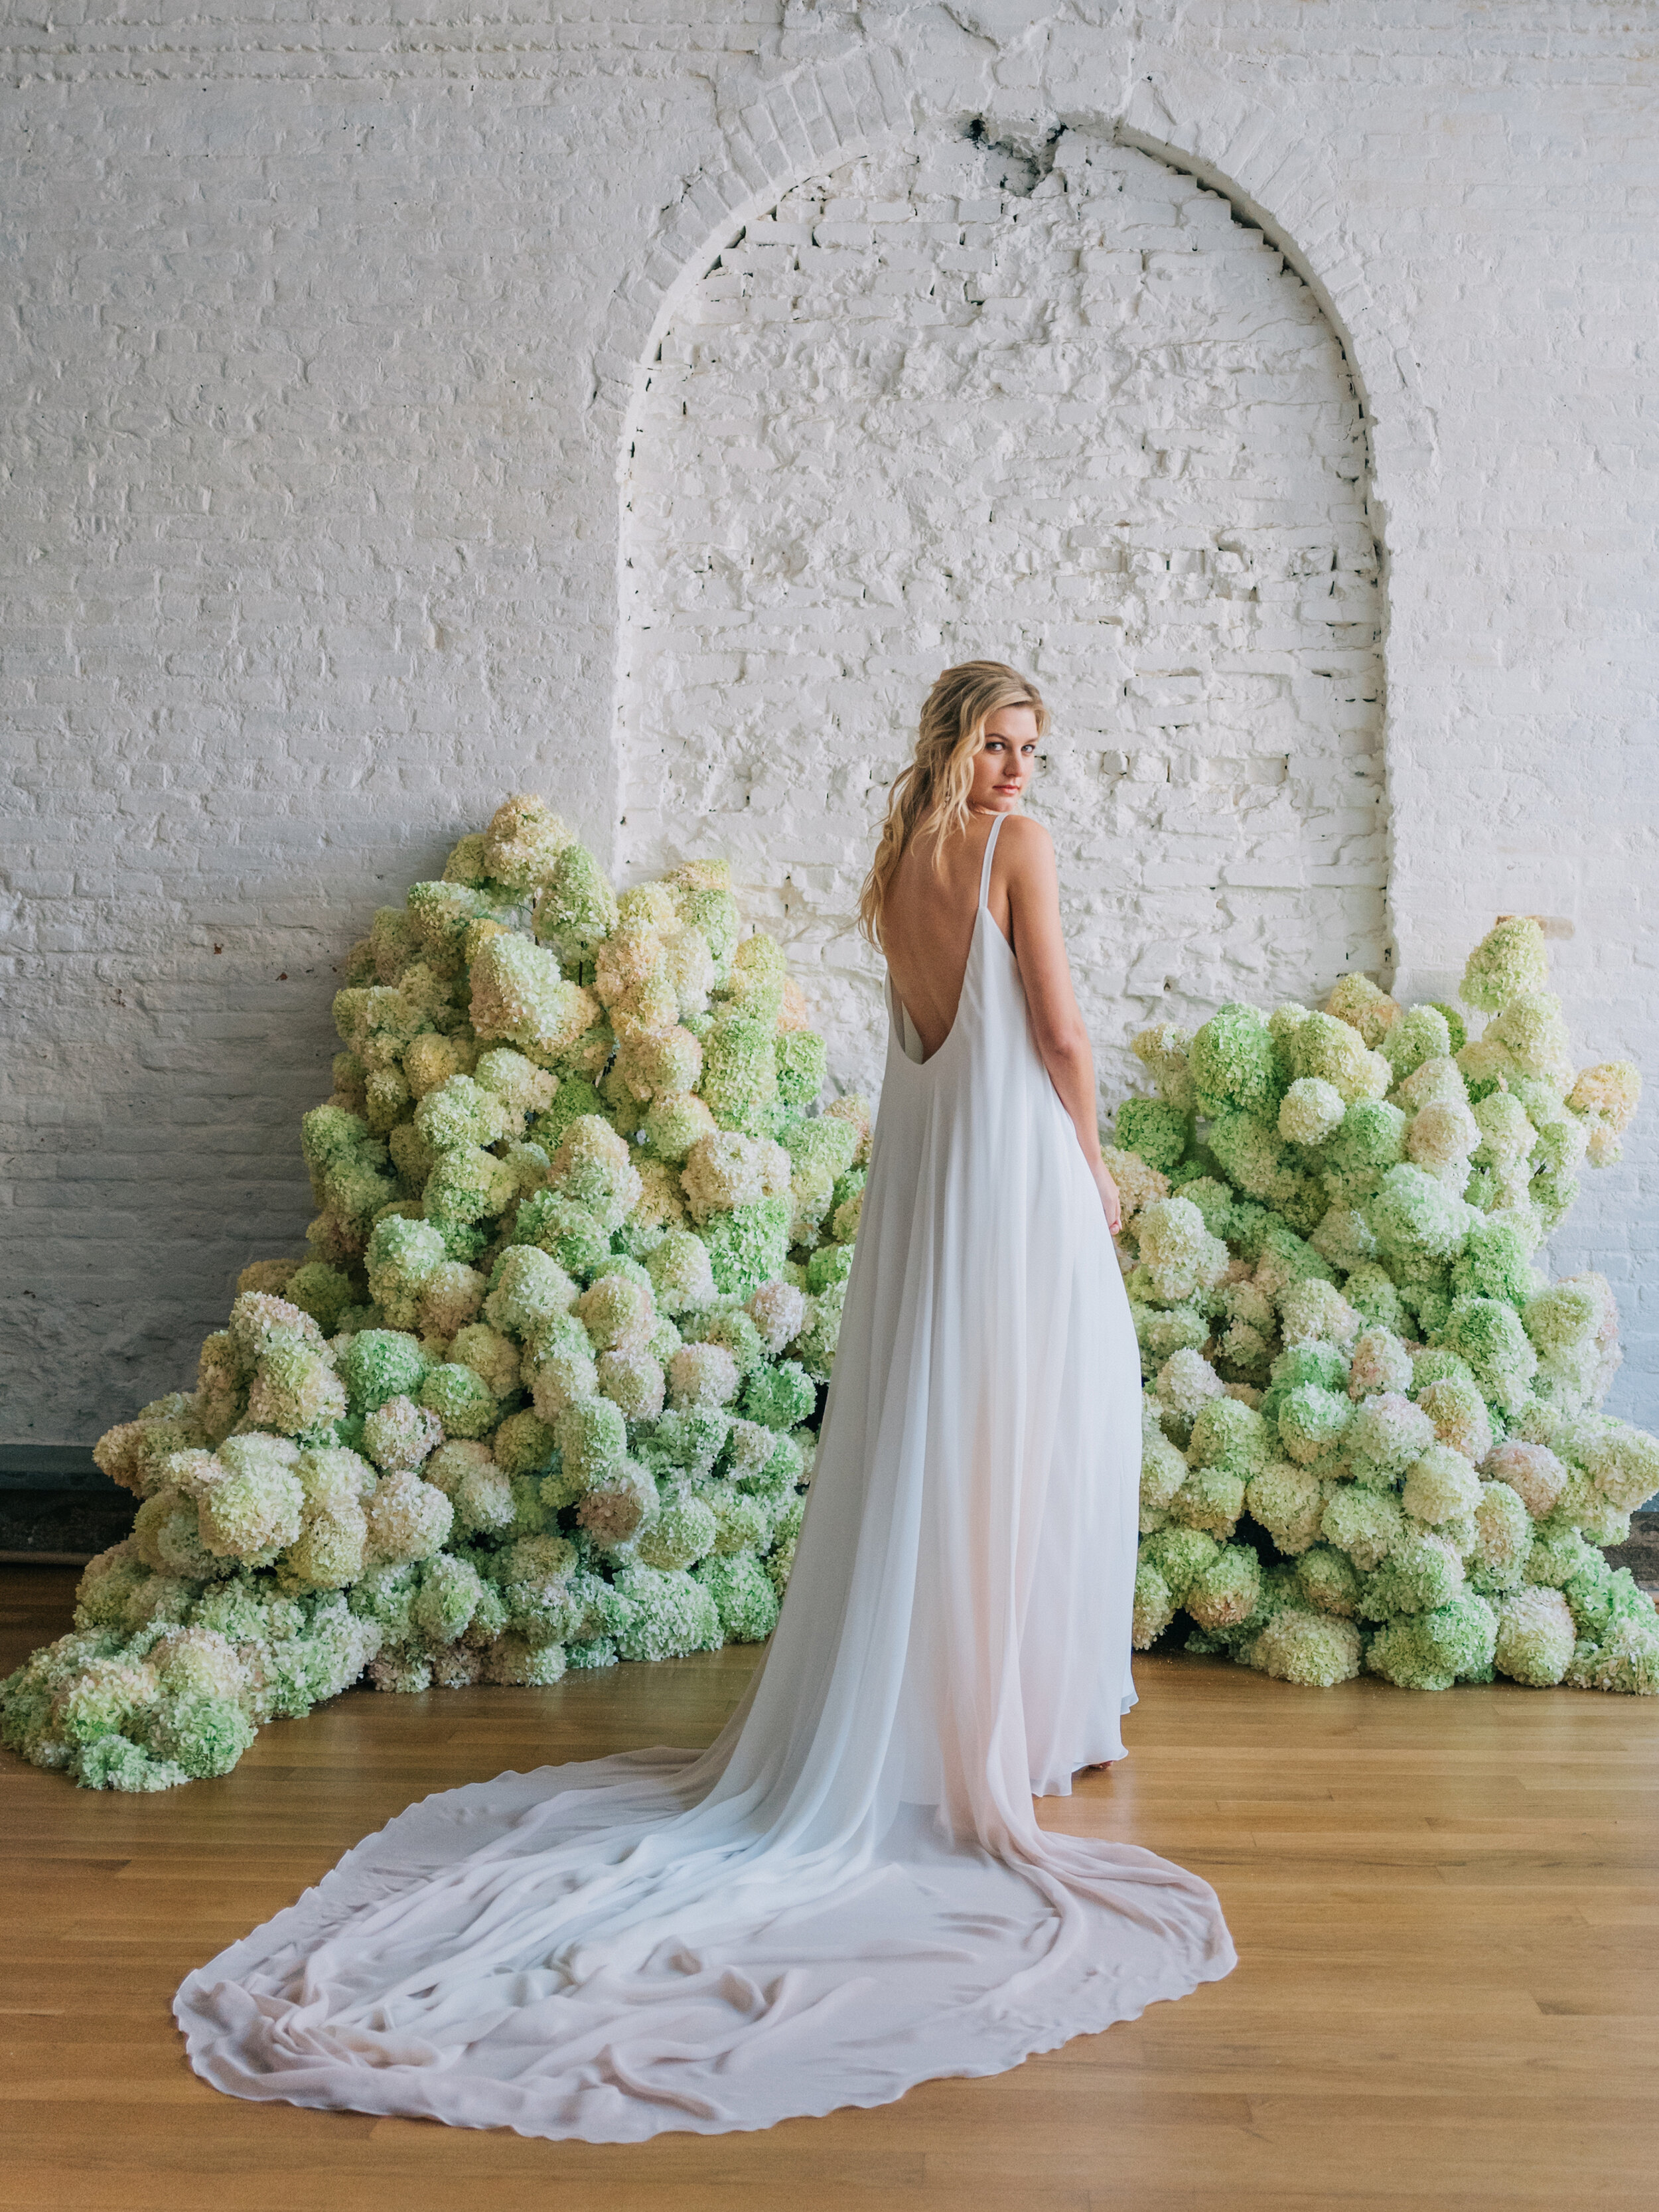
(325, 328)
(934, 404)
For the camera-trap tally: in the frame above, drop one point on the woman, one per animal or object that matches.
(847, 1892)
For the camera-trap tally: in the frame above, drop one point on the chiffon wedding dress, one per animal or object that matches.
(847, 1892)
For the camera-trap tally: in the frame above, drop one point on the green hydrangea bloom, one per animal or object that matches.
(1311, 1110)
(592, 1436)
(528, 1287)
(1436, 1648)
(1163, 1471)
(1423, 1033)
(591, 1166)
(703, 901)
(1510, 958)
(1178, 1556)
(1158, 1132)
(1564, 1324)
(618, 1313)
(520, 997)
(398, 1434)
(1419, 1573)
(1536, 1636)
(1310, 1649)
(481, 1493)
(803, 1068)
(1502, 1540)
(295, 1391)
(743, 1596)
(664, 1614)
(466, 1185)
(690, 1439)
(1488, 1335)
(1177, 1252)
(1312, 1421)
(732, 1326)
(1315, 1362)
(1623, 1463)
(820, 1140)
(1163, 1051)
(1154, 1606)
(440, 914)
(1328, 1579)
(575, 1097)
(832, 1264)
(1370, 1142)
(1183, 1384)
(255, 1511)
(739, 1072)
(408, 1519)
(1324, 1049)
(634, 1381)
(1289, 1502)
(1229, 1435)
(577, 907)
(1366, 1524)
(1440, 1487)
(1494, 1262)
(1254, 1158)
(460, 1111)
(1414, 1216)
(611, 1510)
(203, 1733)
(402, 1254)
(114, 1763)
(460, 1400)
(321, 1292)
(565, 1230)
(1211, 1498)
(1225, 1590)
(1625, 1660)
(781, 1397)
(748, 1247)
(1386, 1435)
(1234, 1061)
(681, 1532)
(682, 1279)
(523, 843)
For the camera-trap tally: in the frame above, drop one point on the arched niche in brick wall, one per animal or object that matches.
(1068, 408)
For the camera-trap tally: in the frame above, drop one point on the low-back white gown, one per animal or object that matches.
(848, 1892)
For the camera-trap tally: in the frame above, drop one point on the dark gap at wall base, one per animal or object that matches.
(56, 1506)
(1641, 1553)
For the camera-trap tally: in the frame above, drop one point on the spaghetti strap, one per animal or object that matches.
(990, 848)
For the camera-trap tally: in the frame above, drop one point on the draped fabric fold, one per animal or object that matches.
(848, 1892)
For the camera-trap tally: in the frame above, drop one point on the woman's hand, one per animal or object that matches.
(1109, 1196)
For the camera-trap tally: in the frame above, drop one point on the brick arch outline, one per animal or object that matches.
(822, 115)
(1196, 121)
(817, 117)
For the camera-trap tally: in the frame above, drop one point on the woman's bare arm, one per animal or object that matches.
(1027, 854)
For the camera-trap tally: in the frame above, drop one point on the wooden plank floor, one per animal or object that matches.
(1446, 1910)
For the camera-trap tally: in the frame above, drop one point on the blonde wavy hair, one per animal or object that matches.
(930, 799)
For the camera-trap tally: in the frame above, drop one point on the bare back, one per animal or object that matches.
(928, 933)
(927, 925)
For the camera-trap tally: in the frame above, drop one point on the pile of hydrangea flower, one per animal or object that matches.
(543, 1392)
(1372, 1434)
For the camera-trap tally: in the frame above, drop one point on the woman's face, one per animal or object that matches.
(1006, 761)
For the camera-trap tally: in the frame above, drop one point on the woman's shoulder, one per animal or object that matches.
(1022, 840)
